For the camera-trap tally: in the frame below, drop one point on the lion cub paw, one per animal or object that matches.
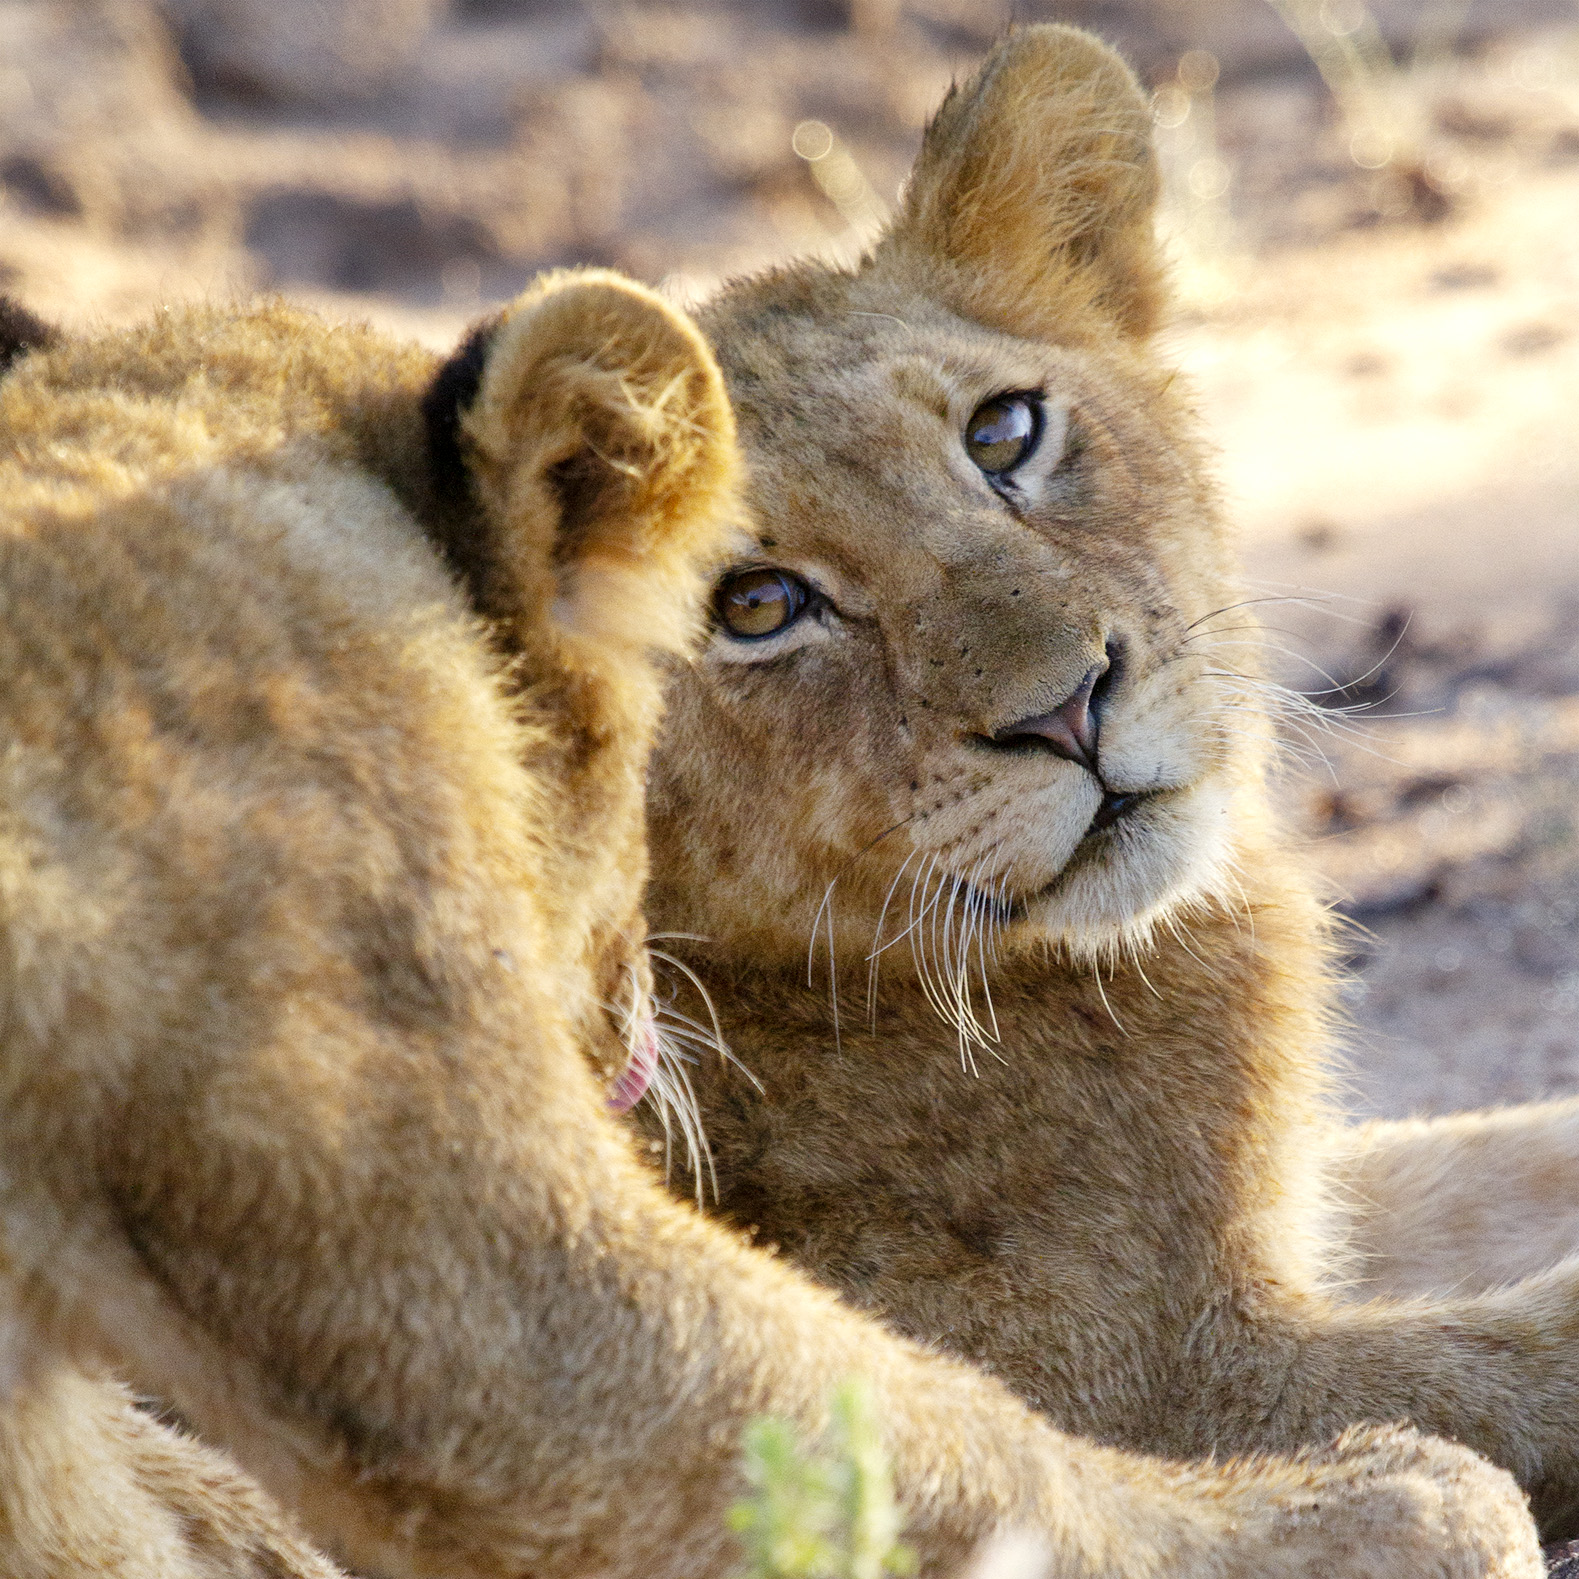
(1389, 1503)
(589, 430)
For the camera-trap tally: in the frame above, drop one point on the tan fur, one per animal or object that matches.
(1089, 1148)
(1468, 1202)
(319, 925)
(94, 1485)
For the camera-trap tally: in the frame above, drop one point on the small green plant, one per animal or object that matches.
(821, 1514)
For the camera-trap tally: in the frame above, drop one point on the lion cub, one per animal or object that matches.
(320, 943)
(976, 722)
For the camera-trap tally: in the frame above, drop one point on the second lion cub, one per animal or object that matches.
(970, 722)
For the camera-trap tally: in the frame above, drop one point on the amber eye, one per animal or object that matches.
(754, 603)
(1002, 433)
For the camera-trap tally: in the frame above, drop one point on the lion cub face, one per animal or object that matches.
(963, 655)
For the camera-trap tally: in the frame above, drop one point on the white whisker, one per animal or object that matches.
(922, 872)
(676, 1097)
(1096, 976)
(720, 1045)
(833, 980)
(816, 927)
(877, 939)
(1140, 970)
(1175, 926)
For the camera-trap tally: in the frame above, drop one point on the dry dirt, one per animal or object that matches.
(1389, 359)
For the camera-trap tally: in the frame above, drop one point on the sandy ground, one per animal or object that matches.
(1390, 366)
(1399, 421)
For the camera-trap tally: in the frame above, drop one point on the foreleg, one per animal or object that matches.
(1498, 1371)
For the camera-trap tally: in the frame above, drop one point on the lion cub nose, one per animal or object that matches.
(1070, 730)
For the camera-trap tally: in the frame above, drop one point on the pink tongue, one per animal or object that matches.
(632, 1084)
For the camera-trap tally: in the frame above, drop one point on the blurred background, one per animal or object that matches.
(1374, 214)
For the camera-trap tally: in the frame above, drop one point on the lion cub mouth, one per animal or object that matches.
(1116, 805)
(637, 1075)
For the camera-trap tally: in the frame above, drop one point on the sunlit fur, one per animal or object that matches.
(1051, 1096)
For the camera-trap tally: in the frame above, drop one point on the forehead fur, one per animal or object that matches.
(853, 386)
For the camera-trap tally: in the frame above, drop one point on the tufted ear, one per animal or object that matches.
(1030, 208)
(587, 432)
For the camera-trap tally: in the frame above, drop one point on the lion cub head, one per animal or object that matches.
(963, 654)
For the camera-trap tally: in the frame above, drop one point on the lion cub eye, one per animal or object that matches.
(754, 603)
(1002, 432)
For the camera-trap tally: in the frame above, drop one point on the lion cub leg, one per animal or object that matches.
(90, 1484)
(1462, 1203)
(1497, 1371)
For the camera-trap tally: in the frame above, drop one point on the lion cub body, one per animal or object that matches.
(1052, 1092)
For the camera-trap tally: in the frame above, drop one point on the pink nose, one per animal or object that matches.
(1070, 730)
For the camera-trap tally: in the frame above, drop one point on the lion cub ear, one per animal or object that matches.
(1030, 208)
(588, 431)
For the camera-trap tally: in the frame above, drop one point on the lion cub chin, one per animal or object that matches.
(327, 681)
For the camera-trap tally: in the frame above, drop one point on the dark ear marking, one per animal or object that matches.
(581, 467)
(459, 531)
(453, 389)
(21, 332)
